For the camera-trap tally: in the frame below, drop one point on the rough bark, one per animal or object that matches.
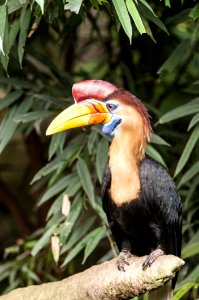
(104, 281)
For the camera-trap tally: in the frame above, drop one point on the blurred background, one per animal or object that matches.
(52, 223)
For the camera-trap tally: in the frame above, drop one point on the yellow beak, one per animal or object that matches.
(88, 112)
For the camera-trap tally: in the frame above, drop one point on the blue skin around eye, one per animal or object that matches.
(111, 127)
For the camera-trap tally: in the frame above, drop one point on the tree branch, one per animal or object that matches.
(104, 282)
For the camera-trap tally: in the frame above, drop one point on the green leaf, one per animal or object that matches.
(24, 25)
(75, 211)
(56, 188)
(73, 5)
(167, 3)
(194, 121)
(41, 4)
(3, 18)
(194, 13)
(13, 5)
(189, 174)
(85, 180)
(101, 157)
(10, 99)
(152, 152)
(177, 57)
(8, 126)
(190, 250)
(123, 16)
(56, 144)
(43, 240)
(184, 290)
(77, 233)
(156, 139)
(181, 111)
(14, 29)
(147, 11)
(136, 16)
(32, 116)
(187, 150)
(82, 243)
(91, 140)
(92, 243)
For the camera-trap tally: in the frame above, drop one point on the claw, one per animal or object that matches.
(151, 258)
(123, 259)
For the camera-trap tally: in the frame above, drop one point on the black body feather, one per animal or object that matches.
(151, 221)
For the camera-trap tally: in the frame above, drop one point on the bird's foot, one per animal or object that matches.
(123, 259)
(151, 258)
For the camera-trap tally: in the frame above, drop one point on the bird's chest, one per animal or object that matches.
(132, 217)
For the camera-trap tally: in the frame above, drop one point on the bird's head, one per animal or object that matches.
(100, 102)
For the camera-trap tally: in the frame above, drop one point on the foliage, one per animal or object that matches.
(91, 39)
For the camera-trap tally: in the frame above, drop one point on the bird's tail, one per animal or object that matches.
(165, 292)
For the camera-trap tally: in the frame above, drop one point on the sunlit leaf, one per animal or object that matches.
(73, 5)
(136, 16)
(123, 16)
(194, 13)
(41, 4)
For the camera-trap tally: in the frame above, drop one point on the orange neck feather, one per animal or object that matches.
(126, 152)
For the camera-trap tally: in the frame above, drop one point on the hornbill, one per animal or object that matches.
(138, 195)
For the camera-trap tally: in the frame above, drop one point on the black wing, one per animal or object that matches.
(163, 202)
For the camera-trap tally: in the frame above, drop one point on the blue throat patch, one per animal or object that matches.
(111, 127)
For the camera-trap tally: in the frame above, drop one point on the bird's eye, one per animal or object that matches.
(111, 106)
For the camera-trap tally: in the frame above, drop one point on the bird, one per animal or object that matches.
(139, 197)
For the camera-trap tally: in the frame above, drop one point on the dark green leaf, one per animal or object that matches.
(177, 56)
(181, 111)
(101, 157)
(189, 174)
(56, 188)
(187, 150)
(56, 144)
(194, 121)
(43, 240)
(155, 155)
(24, 25)
(156, 139)
(92, 243)
(3, 17)
(184, 290)
(194, 13)
(85, 180)
(32, 116)
(10, 99)
(147, 11)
